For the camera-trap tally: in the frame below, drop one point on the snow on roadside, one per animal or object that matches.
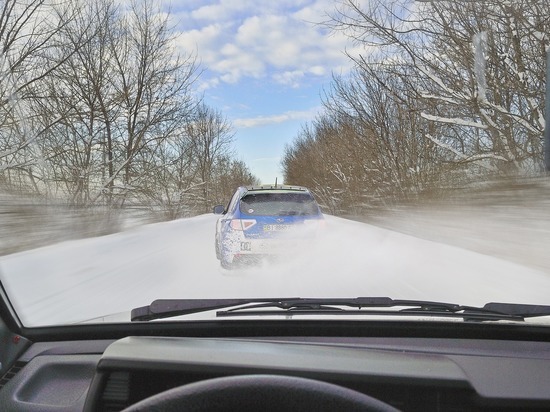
(83, 279)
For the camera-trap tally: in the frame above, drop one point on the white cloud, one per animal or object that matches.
(278, 118)
(212, 12)
(223, 9)
(315, 11)
(289, 78)
(277, 41)
(318, 70)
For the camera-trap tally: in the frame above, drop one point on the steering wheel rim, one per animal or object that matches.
(260, 393)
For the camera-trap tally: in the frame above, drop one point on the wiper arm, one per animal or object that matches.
(165, 308)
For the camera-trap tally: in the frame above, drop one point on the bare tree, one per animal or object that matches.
(151, 84)
(211, 136)
(367, 149)
(170, 185)
(104, 112)
(79, 147)
(31, 48)
(481, 67)
(229, 174)
(118, 97)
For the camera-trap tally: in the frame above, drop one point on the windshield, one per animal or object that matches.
(413, 133)
(279, 204)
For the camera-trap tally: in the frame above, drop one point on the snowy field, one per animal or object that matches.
(506, 219)
(84, 279)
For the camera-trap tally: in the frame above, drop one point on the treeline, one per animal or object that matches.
(97, 108)
(444, 94)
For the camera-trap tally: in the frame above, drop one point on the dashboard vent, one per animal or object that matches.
(116, 395)
(16, 367)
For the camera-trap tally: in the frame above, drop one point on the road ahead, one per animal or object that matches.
(79, 280)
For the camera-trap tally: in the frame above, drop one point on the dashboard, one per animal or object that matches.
(408, 373)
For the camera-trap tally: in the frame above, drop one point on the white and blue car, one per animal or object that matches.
(264, 221)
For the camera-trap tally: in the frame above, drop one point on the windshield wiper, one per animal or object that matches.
(165, 308)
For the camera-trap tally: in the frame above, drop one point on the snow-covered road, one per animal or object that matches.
(79, 280)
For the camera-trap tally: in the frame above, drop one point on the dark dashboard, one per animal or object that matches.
(408, 373)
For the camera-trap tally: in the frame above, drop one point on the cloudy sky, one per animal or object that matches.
(264, 65)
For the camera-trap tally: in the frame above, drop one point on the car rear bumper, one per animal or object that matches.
(246, 250)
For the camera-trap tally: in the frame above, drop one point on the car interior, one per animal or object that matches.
(286, 364)
(393, 114)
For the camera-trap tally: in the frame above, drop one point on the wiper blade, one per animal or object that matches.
(165, 308)
(518, 309)
(320, 306)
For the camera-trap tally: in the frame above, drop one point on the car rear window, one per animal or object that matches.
(279, 204)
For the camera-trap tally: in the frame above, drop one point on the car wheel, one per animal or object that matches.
(217, 246)
(225, 263)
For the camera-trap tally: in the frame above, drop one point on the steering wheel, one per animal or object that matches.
(263, 393)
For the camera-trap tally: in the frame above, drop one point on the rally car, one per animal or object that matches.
(265, 221)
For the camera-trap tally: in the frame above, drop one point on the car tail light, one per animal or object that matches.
(242, 224)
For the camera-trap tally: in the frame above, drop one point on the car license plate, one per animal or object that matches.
(246, 246)
(276, 228)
